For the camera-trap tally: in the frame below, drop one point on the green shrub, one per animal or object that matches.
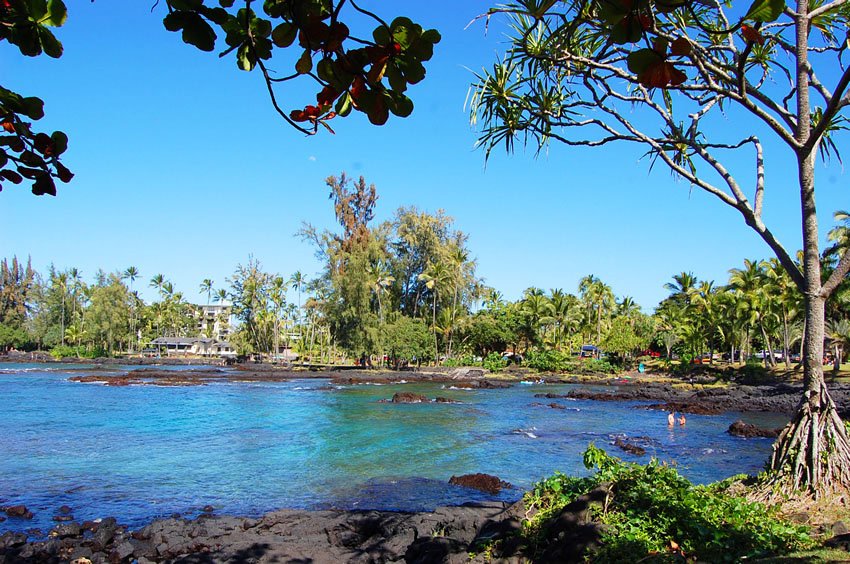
(465, 360)
(550, 361)
(494, 362)
(600, 366)
(652, 506)
(67, 351)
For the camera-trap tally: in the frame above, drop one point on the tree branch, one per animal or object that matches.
(837, 275)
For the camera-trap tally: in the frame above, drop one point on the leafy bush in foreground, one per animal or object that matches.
(656, 515)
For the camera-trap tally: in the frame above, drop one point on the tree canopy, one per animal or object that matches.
(666, 75)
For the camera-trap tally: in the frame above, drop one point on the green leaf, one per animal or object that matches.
(641, 59)
(60, 143)
(245, 57)
(284, 34)
(225, 3)
(765, 10)
(401, 105)
(56, 14)
(11, 176)
(52, 47)
(305, 63)
(37, 9)
(44, 185)
(197, 32)
(381, 35)
(186, 5)
(343, 105)
(32, 107)
(432, 36)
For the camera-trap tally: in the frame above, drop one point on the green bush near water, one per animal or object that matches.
(65, 351)
(652, 505)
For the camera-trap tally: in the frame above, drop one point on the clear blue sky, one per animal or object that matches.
(183, 168)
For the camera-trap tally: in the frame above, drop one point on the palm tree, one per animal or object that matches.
(461, 266)
(598, 297)
(539, 310)
(62, 282)
(277, 294)
(750, 282)
(131, 274)
(839, 235)
(434, 276)
(682, 284)
(839, 333)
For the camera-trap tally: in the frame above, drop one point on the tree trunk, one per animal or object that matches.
(812, 454)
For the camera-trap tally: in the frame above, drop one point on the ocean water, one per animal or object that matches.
(143, 452)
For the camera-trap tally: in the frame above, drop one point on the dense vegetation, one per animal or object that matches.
(408, 288)
(651, 513)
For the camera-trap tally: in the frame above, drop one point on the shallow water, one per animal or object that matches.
(143, 452)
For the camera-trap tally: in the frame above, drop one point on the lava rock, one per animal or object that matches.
(19, 511)
(482, 482)
(63, 518)
(408, 397)
(66, 530)
(629, 447)
(748, 431)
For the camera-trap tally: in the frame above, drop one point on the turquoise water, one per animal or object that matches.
(142, 452)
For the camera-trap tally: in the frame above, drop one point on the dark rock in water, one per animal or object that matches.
(65, 510)
(748, 431)
(440, 399)
(554, 405)
(2, 518)
(550, 395)
(208, 509)
(696, 408)
(629, 447)
(492, 385)
(408, 397)
(63, 518)
(19, 511)
(482, 482)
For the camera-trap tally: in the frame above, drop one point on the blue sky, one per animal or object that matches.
(183, 168)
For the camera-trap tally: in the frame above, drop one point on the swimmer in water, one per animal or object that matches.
(682, 419)
(671, 419)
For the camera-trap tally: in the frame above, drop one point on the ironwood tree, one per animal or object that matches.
(700, 85)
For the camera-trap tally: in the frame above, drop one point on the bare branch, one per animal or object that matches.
(837, 275)
(825, 8)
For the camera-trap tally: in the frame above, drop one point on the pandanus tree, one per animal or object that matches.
(662, 74)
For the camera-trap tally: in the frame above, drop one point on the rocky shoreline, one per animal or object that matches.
(448, 534)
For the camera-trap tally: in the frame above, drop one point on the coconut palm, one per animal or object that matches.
(598, 298)
(539, 310)
(277, 295)
(838, 333)
(434, 277)
(682, 286)
(131, 274)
